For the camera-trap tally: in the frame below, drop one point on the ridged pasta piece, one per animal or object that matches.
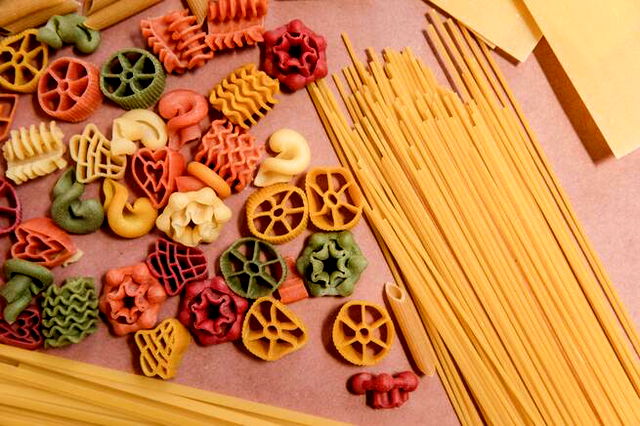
(34, 151)
(235, 23)
(245, 94)
(176, 38)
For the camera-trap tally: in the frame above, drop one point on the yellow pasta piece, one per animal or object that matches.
(125, 219)
(91, 151)
(34, 151)
(23, 60)
(162, 348)
(116, 12)
(293, 158)
(92, 6)
(245, 95)
(141, 125)
(195, 217)
(199, 9)
(12, 10)
(40, 16)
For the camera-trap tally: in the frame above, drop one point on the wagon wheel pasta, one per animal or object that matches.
(27, 61)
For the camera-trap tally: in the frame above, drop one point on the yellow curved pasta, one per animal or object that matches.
(194, 217)
(125, 219)
(245, 94)
(141, 125)
(34, 151)
(91, 151)
(293, 158)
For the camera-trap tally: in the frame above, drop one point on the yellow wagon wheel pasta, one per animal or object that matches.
(335, 200)
(363, 332)
(277, 213)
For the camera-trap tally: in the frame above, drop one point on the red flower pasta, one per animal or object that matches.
(69, 89)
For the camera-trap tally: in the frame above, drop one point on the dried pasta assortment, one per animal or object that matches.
(179, 194)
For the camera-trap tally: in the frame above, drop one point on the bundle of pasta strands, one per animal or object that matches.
(517, 306)
(44, 389)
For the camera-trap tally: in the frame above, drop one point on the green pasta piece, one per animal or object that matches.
(69, 29)
(24, 281)
(132, 78)
(70, 212)
(69, 312)
(331, 263)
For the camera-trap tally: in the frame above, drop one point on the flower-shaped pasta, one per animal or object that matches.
(271, 330)
(384, 390)
(23, 59)
(191, 218)
(252, 268)
(24, 332)
(176, 265)
(162, 348)
(131, 299)
(293, 158)
(331, 263)
(40, 241)
(132, 78)
(137, 125)
(92, 153)
(363, 332)
(335, 200)
(277, 213)
(69, 89)
(212, 311)
(294, 54)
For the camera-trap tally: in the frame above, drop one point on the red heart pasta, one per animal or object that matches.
(69, 90)
(24, 332)
(184, 109)
(10, 207)
(155, 173)
(212, 312)
(39, 240)
(176, 265)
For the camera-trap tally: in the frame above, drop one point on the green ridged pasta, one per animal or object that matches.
(69, 312)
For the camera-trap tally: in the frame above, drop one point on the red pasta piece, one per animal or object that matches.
(131, 299)
(8, 107)
(155, 173)
(176, 265)
(188, 184)
(10, 207)
(212, 312)
(184, 109)
(387, 391)
(230, 152)
(40, 241)
(176, 38)
(235, 23)
(294, 55)
(69, 89)
(292, 288)
(24, 332)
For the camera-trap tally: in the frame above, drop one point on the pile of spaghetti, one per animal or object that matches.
(525, 323)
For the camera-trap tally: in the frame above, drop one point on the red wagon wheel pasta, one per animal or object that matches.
(69, 90)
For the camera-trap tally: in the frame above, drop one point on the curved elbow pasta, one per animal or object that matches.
(92, 152)
(125, 219)
(194, 217)
(141, 125)
(33, 152)
(184, 109)
(293, 158)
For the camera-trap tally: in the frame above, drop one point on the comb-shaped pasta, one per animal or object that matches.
(176, 38)
(235, 23)
(245, 94)
(34, 151)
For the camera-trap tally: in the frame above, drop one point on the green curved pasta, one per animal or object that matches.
(24, 281)
(69, 29)
(69, 312)
(331, 263)
(70, 212)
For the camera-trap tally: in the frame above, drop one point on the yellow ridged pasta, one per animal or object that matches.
(92, 6)
(40, 16)
(13, 10)
(116, 12)
(199, 9)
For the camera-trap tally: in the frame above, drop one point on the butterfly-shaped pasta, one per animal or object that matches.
(91, 150)
(34, 151)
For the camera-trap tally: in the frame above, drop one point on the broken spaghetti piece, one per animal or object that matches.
(245, 95)
(33, 152)
(162, 348)
(235, 23)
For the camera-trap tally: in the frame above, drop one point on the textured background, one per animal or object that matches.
(605, 194)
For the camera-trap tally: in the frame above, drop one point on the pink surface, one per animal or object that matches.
(606, 196)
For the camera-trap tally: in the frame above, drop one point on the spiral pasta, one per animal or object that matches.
(34, 151)
(245, 94)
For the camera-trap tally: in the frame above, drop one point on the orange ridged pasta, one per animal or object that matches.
(235, 23)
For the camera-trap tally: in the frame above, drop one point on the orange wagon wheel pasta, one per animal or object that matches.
(335, 200)
(23, 59)
(69, 89)
(277, 213)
